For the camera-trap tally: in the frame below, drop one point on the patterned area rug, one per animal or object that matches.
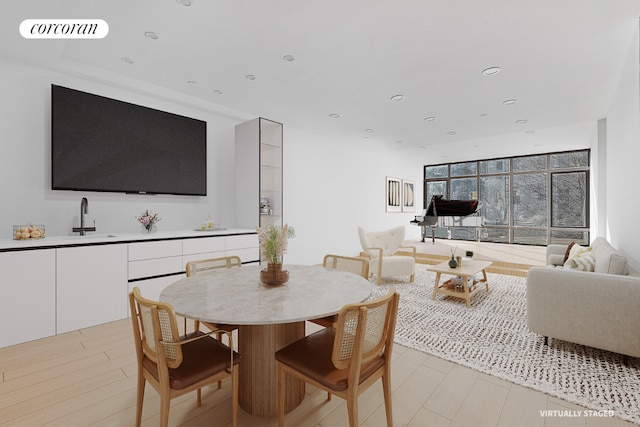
(492, 337)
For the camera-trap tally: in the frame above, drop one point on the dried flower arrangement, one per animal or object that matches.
(273, 241)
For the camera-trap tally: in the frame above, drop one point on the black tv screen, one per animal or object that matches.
(102, 144)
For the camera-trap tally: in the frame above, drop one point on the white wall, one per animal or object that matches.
(623, 159)
(332, 187)
(25, 162)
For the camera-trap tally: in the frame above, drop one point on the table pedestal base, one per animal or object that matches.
(258, 394)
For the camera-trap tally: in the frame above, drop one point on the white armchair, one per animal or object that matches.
(381, 247)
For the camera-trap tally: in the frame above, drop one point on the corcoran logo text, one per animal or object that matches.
(64, 29)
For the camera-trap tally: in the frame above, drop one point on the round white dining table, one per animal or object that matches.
(268, 318)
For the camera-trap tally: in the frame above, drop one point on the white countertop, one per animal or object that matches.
(236, 296)
(97, 238)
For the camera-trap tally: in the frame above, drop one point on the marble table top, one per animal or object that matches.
(236, 296)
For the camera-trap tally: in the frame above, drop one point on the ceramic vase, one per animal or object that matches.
(453, 263)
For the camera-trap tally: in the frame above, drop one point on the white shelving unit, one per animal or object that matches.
(258, 173)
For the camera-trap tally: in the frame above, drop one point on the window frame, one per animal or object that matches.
(553, 234)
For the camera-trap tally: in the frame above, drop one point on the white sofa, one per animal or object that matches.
(599, 308)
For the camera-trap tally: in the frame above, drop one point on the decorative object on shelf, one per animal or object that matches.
(469, 254)
(208, 225)
(29, 231)
(148, 220)
(452, 262)
(273, 244)
(265, 206)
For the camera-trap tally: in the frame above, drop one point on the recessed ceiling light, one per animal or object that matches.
(453, 132)
(510, 101)
(217, 92)
(289, 58)
(126, 60)
(397, 97)
(422, 147)
(529, 132)
(538, 145)
(483, 115)
(184, 2)
(151, 35)
(429, 119)
(250, 77)
(398, 142)
(334, 115)
(192, 82)
(369, 130)
(521, 121)
(490, 71)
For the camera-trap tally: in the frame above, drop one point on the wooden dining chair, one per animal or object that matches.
(175, 365)
(357, 265)
(347, 359)
(204, 265)
(208, 265)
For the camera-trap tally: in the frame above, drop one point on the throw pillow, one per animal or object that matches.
(577, 250)
(580, 258)
(566, 254)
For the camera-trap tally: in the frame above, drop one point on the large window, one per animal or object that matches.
(536, 200)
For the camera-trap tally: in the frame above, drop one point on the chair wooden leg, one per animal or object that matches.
(352, 409)
(234, 398)
(140, 397)
(282, 384)
(412, 278)
(165, 403)
(219, 336)
(386, 388)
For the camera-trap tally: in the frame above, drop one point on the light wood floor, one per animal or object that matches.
(87, 378)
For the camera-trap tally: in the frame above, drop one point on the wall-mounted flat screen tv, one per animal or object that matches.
(102, 144)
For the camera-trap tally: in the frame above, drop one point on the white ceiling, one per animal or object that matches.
(560, 59)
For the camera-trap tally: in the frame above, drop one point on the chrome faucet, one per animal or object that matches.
(84, 209)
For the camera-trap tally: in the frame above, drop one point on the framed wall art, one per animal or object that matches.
(394, 194)
(408, 196)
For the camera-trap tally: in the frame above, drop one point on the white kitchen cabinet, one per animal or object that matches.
(91, 286)
(157, 249)
(62, 286)
(154, 266)
(243, 245)
(28, 303)
(151, 288)
(203, 248)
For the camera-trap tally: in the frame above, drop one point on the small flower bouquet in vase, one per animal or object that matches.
(148, 220)
(273, 244)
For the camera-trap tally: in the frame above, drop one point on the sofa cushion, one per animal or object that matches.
(580, 258)
(608, 259)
